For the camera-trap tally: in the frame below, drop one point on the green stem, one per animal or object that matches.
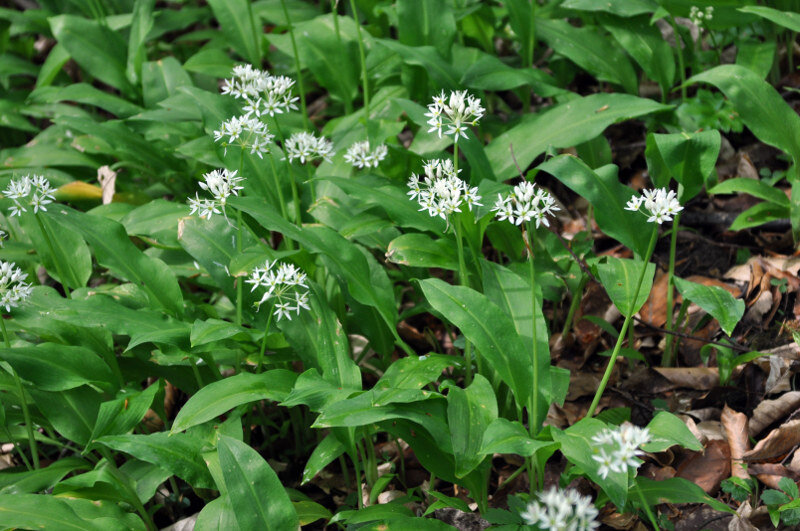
(300, 88)
(56, 261)
(310, 175)
(357, 469)
(625, 325)
(681, 63)
(131, 496)
(254, 31)
(239, 284)
(573, 306)
(533, 414)
(532, 41)
(463, 278)
(645, 506)
(281, 200)
(26, 414)
(295, 196)
(196, 373)
(263, 344)
(666, 360)
(362, 58)
(21, 454)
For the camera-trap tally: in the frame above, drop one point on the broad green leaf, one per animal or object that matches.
(420, 250)
(68, 249)
(32, 481)
(113, 249)
(34, 511)
(211, 330)
(689, 158)
(676, 490)
(95, 47)
(257, 496)
(324, 453)
(786, 19)
(220, 397)
(121, 415)
(53, 367)
(373, 513)
(490, 73)
(320, 341)
(519, 14)
(441, 72)
(756, 55)
(240, 28)
(668, 430)
(608, 197)
(564, 125)
(758, 215)
(753, 187)
(87, 95)
(211, 62)
(619, 277)
(157, 221)
(177, 453)
(718, 302)
(415, 372)
(162, 79)
(506, 437)
(311, 390)
(646, 45)
(72, 413)
(590, 50)
(52, 65)
(217, 515)
(426, 23)
(309, 512)
(487, 327)
(141, 25)
(469, 413)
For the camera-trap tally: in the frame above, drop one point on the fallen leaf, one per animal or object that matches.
(654, 310)
(707, 469)
(700, 378)
(735, 425)
(770, 411)
(777, 444)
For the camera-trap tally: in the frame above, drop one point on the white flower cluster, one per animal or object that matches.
(263, 93)
(306, 147)
(29, 191)
(360, 156)
(221, 184)
(12, 288)
(561, 510)
(699, 16)
(283, 284)
(456, 112)
(617, 449)
(442, 192)
(248, 133)
(525, 203)
(661, 204)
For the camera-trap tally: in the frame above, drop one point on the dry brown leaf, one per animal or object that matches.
(741, 520)
(700, 378)
(773, 469)
(712, 430)
(735, 425)
(770, 411)
(777, 444)
(582, 384)
(654, 310)
(708, 469)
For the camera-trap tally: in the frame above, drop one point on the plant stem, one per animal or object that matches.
(300, 88)
(646, 507)
(310, 174)
(131, 497)
(463, 278)
(681, 64)
(666, 360)
(625, 325)
(573, 306)
(281, 200)
(362, 58)
(263, 344)
(56, 261)
(533, 410)
(26, 414)
(239, 236)
(295, 196)
(357, 469)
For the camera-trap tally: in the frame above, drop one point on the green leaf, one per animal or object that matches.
(217, 515)
(95, 47)
(119, 416)
(32, 481)
(786, 19)
(629, 8)
(668, 430)
(52, 367)
(141, 25)
(426, 23)
(239, 27)
(440, 71)
(220, 397)
(753, 187)
(561, 126)
(33, 511)
(211, 62)
(415, 372)
(718, 302)
(608, 197)
(178, 453)
(588, 49)
(420, 250)
(309, 512)
(211, 330)
(490, 73)
(72, 413)
(519, 15)
(157, 221)
(469, 413)
(113, 249)
(87, 95)
(324, 453)
(487, 327)
(789, 487)
(758, 215)
(619, 276)
(68, 249)
(162, 79)
(503, 436)
(756, 55)
(257, 496)
(676, 490)
(688, 157)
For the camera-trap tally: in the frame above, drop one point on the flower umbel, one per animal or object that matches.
(221, 184)
(249, 133)
(29, 191)
(617, 449)
(441, 192)
(525, 203)
(699, 16)
(456, 112)
(661, 204)
(360, 156)
(307, 147)
(561, 510)
(263, 93)
(285, 284)
(13, 290)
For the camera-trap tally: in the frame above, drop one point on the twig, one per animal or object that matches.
(732, 346)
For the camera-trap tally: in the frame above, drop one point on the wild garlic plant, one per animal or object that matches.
(306, 147)
(556, 509)
(359, 155)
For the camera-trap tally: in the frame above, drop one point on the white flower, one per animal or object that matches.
(29, 191)
(221, 184)
(13, 290)
(306, 147)
(561, 510)
(442, 191)
(699, 16)
(248, 133)
(360, 156)
(263, 93)
(525, 203)
(283, 284)
(456, 112)
(661, 204)
(617, 449)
